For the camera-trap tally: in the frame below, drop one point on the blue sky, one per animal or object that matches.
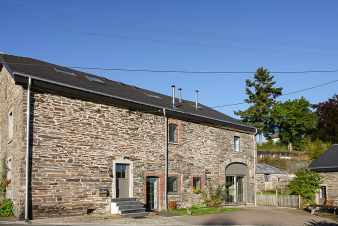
(184, 35)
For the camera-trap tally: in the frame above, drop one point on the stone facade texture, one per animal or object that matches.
(12, 150)
(330, 180)
(75, 142)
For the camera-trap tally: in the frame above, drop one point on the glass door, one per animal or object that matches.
(234, 189)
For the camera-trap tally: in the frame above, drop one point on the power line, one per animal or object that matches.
(228, 73)
(286, 94)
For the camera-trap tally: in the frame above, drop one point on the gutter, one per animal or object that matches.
(28, 116)
(129, 100)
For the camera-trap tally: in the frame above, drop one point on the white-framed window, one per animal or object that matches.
(267, 178)
(237, 144)
(173, 133)
(10, 126)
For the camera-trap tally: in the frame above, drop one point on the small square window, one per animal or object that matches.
(172, 184)
(196, 184)
(267, 177)
(237, 144)
(173, 133)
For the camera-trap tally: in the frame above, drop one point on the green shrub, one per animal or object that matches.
(214, 196)
(306, 184)
(6, 208)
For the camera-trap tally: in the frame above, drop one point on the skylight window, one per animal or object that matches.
(152, 95)
(64, 72)
(94, 79)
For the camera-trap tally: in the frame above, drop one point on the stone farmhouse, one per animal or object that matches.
(72, 143)
(327, 166)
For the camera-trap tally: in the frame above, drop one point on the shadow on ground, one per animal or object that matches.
(320, 223)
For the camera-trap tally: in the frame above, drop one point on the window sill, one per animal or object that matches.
(173, 143)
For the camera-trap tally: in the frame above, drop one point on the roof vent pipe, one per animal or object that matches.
(180, 95)
(196, 99)
(173, 87)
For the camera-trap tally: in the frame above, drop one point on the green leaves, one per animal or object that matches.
(262, 96)
(306, 184)
(294, 120)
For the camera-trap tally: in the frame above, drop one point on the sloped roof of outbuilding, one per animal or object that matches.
(63, 76)
(262, 168)
(328, 161)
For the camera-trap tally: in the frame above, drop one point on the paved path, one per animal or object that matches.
(249, 216)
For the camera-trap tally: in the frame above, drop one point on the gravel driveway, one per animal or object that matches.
(261, 216)
(248, 216)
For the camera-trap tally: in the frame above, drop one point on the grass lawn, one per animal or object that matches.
(199, 211)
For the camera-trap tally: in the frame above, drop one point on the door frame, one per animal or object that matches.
(156, 193)
(131, 177)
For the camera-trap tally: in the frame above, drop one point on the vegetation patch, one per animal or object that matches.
(6, 208)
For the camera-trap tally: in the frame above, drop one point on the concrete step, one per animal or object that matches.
(129, 203)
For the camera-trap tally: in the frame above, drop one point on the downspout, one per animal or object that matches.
(28, 116)
(166, 158)
(255, 159)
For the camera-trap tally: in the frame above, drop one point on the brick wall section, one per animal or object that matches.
(330, 180)
(12, 151)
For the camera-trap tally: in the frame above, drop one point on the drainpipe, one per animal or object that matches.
(255, 159)
(28, 116)
(166, 158)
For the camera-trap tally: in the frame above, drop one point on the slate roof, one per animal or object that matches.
(327, 161)
(262, 168)
(44, 71)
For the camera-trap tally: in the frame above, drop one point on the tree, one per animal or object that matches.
(261, 96)
(294, 119)
(316, 147)
(306, 184)
(327, 113)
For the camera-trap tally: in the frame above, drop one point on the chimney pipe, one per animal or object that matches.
(180, 95)
(173, 87)
(196, 99)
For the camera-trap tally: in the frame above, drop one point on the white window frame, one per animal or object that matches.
(237, 144)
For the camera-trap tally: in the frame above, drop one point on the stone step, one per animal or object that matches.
(134, 210)
(135, 215)
(123, 199)
(126, 207)
(129, 203)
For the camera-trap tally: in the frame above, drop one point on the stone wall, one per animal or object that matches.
(12, 151)
(75, 143)
(330, 180)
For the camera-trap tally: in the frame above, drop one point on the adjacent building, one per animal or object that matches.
(270, 178)
(73, 143)
(327, 166)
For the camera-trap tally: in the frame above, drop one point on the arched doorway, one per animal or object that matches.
(236, 177)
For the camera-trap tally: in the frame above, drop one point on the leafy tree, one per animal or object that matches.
(306, 184)
(327, 113)
(316, 147)
(261, 96)
(294, 120)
